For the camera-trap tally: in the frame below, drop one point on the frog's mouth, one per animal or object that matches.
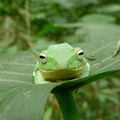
(61, 74)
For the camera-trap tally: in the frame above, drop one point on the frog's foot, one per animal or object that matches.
(86, 70)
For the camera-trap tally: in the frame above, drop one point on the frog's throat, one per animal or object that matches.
(61, 74)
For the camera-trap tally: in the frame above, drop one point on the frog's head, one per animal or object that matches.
(61, 61)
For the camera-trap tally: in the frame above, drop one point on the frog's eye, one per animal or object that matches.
(43, 58)
(80, 53)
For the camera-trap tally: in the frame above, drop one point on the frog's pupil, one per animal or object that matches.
(81, 53)
(42, 57)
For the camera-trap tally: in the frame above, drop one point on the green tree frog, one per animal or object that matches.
(60, 62)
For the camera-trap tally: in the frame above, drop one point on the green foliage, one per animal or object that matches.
(32, 25)
(98, 18)
(18, 85)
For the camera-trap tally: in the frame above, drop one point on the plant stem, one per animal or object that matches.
(67, 105)
(27, 18)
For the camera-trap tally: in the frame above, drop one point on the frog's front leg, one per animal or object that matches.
(38, 78)
(86, 70)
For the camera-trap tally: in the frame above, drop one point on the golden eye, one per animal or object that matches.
(43, 58)
(80, 54)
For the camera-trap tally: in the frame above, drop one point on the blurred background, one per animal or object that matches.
(34, 24)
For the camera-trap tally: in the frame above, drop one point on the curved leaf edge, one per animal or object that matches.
(80, 82)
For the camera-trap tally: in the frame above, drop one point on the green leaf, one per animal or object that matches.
(23, 102)
(111, 8)
(102, 42)
(80, 82)
(21, 99)
(98, 18)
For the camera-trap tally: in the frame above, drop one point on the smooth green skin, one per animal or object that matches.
(62, 64)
